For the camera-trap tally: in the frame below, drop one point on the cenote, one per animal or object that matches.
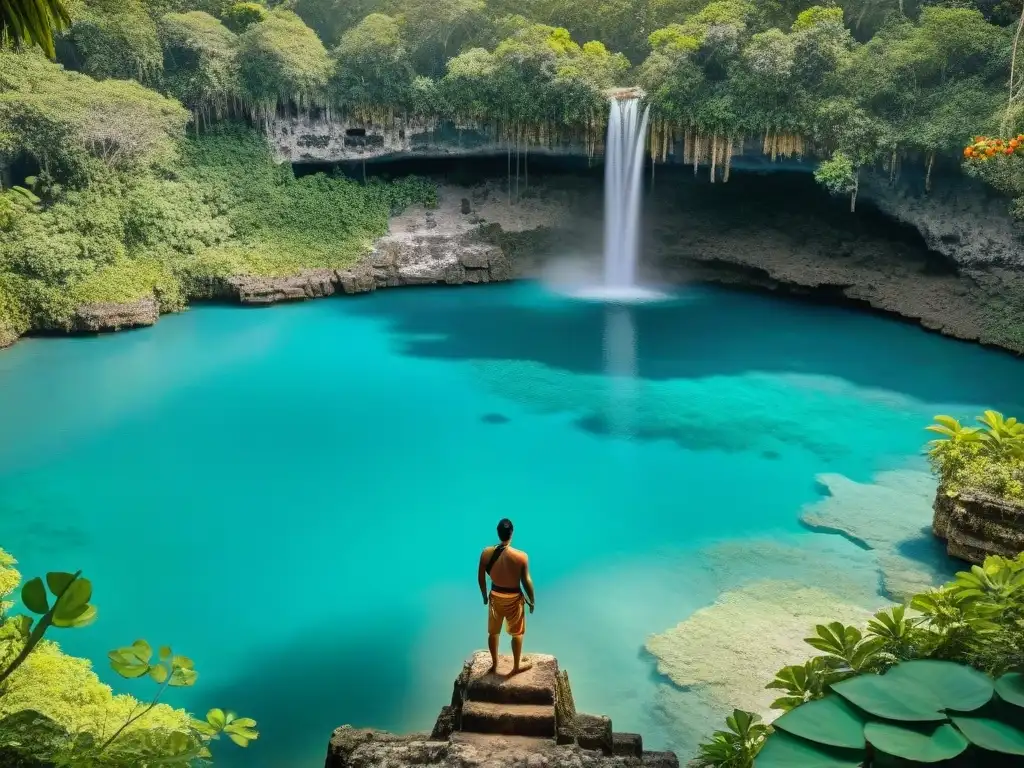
(296, 497)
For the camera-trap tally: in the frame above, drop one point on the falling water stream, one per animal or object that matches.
(624, 161)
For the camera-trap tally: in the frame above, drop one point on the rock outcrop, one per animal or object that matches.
(396, 260)
(527, 720)
(975, 525)
(92, 318)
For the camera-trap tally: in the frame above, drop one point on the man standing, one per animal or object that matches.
(508, 569)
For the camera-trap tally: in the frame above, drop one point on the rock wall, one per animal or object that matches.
(976, 525)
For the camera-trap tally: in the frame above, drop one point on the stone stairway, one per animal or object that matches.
(526, 720)
(521, 705)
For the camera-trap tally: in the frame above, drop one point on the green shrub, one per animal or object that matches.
(240, 16)
(989, 458)
(861, 688)
(53, 708)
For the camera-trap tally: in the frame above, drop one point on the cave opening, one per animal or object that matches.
(755, 206)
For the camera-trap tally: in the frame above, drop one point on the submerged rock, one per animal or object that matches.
(730, 650)
(976, 525)
(890, 516)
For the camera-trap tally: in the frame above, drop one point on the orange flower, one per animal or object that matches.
(1007, 151)
(990, 151)
(968, 151)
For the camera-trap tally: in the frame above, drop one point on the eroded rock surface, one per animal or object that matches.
(92, 318)
(976, 525)
(496, 720)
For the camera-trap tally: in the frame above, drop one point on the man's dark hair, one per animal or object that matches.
(505, 529)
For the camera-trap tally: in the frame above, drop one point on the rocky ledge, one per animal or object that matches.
(396, 260)
(91, 318)
(528, 720)
(976, 525)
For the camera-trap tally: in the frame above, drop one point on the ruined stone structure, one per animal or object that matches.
(493, 719)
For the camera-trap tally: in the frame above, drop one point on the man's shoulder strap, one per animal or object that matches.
(495, 555)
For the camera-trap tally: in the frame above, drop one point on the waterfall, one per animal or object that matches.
(623, 171)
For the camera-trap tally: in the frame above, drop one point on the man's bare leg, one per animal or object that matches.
(517, 652)
(492, 646)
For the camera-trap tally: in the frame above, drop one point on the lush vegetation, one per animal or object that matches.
(988, 458)
(132, 166)
(937, 680)
(55, 711)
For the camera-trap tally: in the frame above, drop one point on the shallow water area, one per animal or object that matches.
(296, 497)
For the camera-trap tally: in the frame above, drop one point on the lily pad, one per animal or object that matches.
(955, 686)
(921, 744)
(1010, 688)
(890, 698)
(781, 750)
(828, 721)
(991, 734)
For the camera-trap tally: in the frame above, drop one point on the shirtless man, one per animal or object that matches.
(508, 568)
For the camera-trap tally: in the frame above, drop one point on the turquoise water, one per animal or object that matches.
(296, 497)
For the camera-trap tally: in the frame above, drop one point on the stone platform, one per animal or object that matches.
(494, 719)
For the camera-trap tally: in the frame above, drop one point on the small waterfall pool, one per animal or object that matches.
(296, 497)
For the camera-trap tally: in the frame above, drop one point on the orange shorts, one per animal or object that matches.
(507, 610)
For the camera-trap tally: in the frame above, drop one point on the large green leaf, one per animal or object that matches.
(781, 750)
(923, 744)
(33, 595)
(892, 699)
(58, 581)
(991, 734)
(826, 721)
(1010, 688)
(75, 600)
(955, 686)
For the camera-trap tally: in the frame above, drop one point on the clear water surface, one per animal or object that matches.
(296, 497)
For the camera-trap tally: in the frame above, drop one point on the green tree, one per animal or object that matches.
(372, 67)
(117, 38)
(33, 22)
(282, 62)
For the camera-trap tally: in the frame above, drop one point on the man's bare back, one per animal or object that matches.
(509, 570)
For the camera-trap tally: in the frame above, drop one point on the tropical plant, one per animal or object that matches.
(33, 22)
(34, 734)
(921, 711)
(974, 623)
(735, 747)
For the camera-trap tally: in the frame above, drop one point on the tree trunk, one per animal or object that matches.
(928, 175)
(853, 195)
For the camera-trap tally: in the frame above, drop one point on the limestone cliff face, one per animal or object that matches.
(960, 217)
(396, 260)
(976, 525)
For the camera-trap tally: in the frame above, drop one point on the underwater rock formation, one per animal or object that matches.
(890, 516)
(975, 525)
(730, 650)
(493, 719)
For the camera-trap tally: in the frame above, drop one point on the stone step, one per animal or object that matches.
(496, 742)
(536, 720)
(535, 686)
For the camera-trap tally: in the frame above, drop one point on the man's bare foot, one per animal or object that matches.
(523, 667)
(493, 670)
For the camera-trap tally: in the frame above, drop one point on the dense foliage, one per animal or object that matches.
(870, 686)
(55, 711)
(989, 458)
